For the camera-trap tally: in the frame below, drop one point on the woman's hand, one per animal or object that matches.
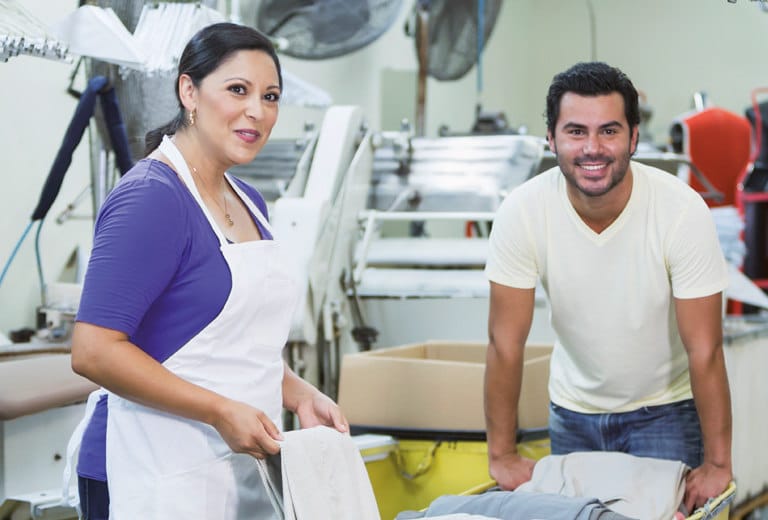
(246, 429)
(312, 407)
(317, 409)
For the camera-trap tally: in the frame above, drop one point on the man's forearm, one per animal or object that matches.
(701, 329)
(503, 375)
(509, 320)
(709, 382)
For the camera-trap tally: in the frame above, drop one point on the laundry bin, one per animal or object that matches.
(408, 474)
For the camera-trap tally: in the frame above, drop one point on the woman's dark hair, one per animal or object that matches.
(209, 48)
(592, 79)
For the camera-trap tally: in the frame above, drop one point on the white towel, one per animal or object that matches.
(637, 487)
(324, 477)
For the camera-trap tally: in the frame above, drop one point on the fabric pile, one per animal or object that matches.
(513, 505)
(579, 486)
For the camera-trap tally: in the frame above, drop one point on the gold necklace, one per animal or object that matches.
(227, 216)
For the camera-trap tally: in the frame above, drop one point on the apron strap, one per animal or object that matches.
(269, 485)
(67, 498)
(251, 206)
(174, 155)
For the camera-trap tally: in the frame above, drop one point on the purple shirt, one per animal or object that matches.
(156, 273)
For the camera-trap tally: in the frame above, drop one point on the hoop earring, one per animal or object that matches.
(191, 118)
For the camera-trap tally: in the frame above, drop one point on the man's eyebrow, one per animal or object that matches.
(571, 124)
(609, 124)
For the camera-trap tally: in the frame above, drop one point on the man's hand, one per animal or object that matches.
(512, 470)
(703, 483)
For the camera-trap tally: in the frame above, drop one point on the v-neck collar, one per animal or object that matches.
(613, 228)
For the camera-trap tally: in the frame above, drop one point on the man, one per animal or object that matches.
(630, 261)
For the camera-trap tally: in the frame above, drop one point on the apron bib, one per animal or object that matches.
(161, 465)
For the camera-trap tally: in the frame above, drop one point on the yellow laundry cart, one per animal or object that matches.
(408, 474)
(423, 434)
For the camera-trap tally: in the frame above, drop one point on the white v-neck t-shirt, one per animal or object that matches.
(611, 294)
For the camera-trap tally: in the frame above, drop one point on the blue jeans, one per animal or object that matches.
(670, 431)
(94, 499)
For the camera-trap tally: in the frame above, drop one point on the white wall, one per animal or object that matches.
(34, 112)
(670, 48)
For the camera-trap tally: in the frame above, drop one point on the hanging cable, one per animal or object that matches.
(15, 250)
(39, 260)
(480, 40)
(98, 87)
(592, 31)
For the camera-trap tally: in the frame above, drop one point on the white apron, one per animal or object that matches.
(162, 466)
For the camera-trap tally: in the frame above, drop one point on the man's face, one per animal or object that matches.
(593, 142)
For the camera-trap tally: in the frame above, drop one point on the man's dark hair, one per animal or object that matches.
(592, 79)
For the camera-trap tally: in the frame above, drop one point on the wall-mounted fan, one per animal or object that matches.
(449, 34)
(449, 37)
(319, 29)
(454, 33)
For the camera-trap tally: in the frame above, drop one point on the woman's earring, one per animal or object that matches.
(191, 118)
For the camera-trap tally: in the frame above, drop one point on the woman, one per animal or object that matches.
(186, 307)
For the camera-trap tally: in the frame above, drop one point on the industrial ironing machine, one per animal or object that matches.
(417, 271)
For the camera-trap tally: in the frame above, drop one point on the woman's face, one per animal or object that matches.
(236, 107)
